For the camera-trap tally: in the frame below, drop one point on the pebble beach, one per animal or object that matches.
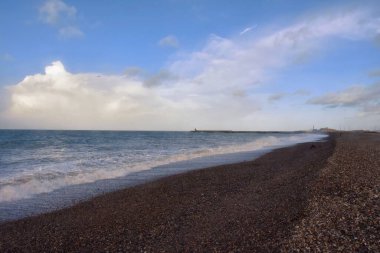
(311, 197)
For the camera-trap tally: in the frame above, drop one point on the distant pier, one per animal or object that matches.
(231, 131)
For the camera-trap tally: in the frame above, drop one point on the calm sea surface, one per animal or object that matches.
(44, 170)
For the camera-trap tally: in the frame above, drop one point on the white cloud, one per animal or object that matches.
(169, 41)
(53, 11)
(85, 99)
(213, 87)
(60, 99)
(62, 16)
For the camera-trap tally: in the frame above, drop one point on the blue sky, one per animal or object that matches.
(174, 65)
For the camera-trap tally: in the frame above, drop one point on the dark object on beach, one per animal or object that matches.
(312, 146)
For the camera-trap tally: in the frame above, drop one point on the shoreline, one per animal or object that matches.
(250, 206)
(70, 195)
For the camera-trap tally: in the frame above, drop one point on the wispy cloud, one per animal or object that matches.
(277, 96)
(281, 95)
(352, 96)
(159, 78)
(169, 41)
(62, 16)
(148, 79)
(302, 92)
(70, 32)
(133, 71)
(244, 61)
(53, 12)
(371, 109)
(374, 73)
(365, 98)
(6, 57)
(248, 29)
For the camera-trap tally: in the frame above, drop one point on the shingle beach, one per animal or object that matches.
(312, 197)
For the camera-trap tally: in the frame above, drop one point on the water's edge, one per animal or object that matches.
(73, 194)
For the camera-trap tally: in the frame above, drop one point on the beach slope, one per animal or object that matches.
(322, 195)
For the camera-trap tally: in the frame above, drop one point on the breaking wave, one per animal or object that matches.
(26, 185)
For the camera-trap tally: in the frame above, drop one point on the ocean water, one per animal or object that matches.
(44, 170)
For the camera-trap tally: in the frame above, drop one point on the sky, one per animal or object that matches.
(185, 64)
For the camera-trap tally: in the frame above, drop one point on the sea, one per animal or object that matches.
(45, 170)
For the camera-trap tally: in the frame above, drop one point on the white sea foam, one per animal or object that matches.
(39, 181)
